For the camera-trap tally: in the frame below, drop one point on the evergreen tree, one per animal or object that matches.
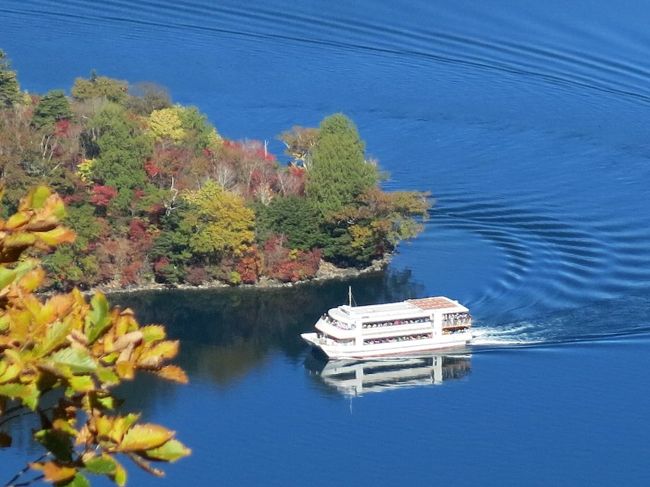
(53, 107)
(295, 218)
(339, 172)
(123, 149)
(9, 89)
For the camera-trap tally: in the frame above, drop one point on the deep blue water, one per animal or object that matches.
(527, 121)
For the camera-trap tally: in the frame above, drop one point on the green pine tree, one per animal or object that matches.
(53, 106)
(9, 88)
(339, 172)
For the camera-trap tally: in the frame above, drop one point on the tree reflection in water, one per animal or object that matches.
(227, 333)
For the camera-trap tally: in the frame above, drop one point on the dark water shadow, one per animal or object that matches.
(227, 333)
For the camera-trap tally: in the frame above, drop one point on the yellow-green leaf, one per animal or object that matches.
(125, 370)
(20, 239)
(97, 320)
(79, 480)
(120, 476)
(27, 393)
(145, 437)
(4, 322)
(54, 337)
(56, 236)
(79, 360)
(82, 383)
(169, 452)
(37, 197)
(103, 465)
(10, 372)
(7, 276)
(107, 376)
(152, 333)
(16, 220)
(121, 425)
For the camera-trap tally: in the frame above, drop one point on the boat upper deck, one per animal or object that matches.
(411, 308)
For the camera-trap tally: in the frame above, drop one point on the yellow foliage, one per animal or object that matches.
(219, 221)
(361, 236)
(215, 141)
(85, 170)
(166, 123)
(81, 349)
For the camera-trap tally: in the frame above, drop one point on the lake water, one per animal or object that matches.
(527, 121)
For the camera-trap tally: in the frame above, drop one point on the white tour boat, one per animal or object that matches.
(412, 326)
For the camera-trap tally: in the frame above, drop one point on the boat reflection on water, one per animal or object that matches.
(356, 377)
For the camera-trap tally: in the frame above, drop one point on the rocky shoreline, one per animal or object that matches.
(326, 272)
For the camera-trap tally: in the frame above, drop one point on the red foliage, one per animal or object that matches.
(131, 273)
(168, 162)
(62, 128)
(196, 275)
(249, 266)
(160, 264)
(141, 236)
(73, 198)
(286, 265)
(250, 148)
(155, 211)
(151, 168)
(294, 181)
(137, 229)
(102, 195)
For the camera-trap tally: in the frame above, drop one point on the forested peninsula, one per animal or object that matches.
(157, 196)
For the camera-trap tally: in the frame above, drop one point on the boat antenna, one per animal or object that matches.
(350, 298)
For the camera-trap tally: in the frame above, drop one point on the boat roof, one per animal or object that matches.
(439, 302)
(403, 309)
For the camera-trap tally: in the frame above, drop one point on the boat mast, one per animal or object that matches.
(350, 295)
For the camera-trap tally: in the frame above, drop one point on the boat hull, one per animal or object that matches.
(395, 349)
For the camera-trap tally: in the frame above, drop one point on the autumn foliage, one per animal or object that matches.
(61, 357)
(157, 196)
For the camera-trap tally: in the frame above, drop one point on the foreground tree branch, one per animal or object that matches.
(78, 348)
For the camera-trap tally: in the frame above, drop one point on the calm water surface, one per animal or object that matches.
(528, 123)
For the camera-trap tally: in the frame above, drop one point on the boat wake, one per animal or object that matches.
(515, 335)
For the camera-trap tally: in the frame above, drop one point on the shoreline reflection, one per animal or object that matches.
(358, 377)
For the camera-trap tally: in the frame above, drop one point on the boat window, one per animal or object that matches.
(381, 324)
(397, 339)
(452, 320)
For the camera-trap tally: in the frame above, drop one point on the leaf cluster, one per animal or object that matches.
(81, 349)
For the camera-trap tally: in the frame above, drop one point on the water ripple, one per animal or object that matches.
(549, 264)
(558, 65)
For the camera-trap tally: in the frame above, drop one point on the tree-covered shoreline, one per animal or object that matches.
(157, 197)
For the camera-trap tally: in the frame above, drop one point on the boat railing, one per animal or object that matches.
(382, 324)
(406, 338)
(332, 342)
(339, 324)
